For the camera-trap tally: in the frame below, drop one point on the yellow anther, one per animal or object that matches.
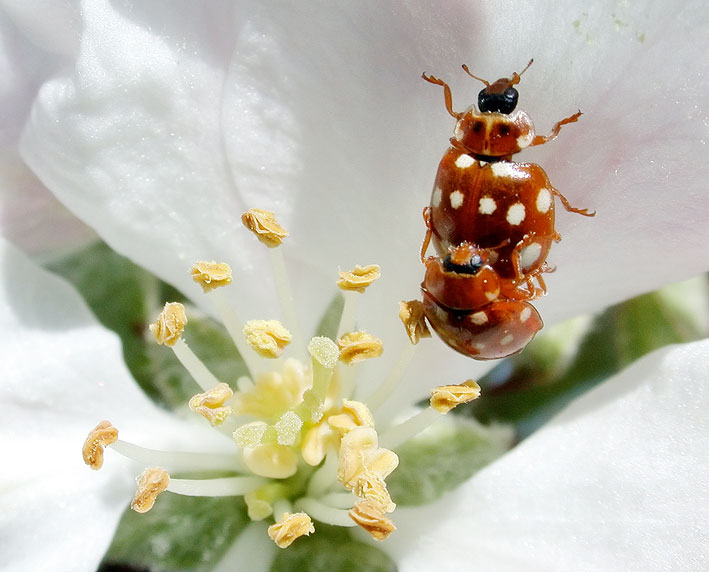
(361, 457)
(354, 414)
(412, 316)
(271, 460)
(359, 346)
(374, 488)
(263, 224)
(370, 516)
(268, 338)
(170, 324)
(446, 397)
(210, 404)
(289, 528)
(102, 435)
(151, 483)
(359, 278)
(211, 275)
(359, 412)
(316, 442)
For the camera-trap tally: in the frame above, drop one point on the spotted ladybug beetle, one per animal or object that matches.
(491, 222)
(472, 309)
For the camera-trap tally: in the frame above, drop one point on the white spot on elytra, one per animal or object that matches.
(507, 339)
(503, 169)
(492, 295)
(530, 254)
(525, 139)
(464, 161)
(479, 318)
(436, 197)
(458, 132)
(543, 200)
(456, 199)
(515, 214)
(487, 205)
(524, 315)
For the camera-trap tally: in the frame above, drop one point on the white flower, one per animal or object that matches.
(168, 123)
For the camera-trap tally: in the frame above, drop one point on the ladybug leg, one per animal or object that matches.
(446, 92)
(541, 139)
(568, 207)
(429, 232)
(529, 247)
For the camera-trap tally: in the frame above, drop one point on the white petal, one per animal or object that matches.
(130, 140)
(62, 373)
(618, 481)
(29, 214)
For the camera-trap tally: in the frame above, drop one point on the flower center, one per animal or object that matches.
(304, 450)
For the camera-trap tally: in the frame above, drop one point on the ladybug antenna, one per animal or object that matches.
(487, 83)
(515, 76)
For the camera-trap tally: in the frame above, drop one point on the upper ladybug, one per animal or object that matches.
(495, 131)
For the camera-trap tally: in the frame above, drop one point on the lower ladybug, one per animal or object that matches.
(473, 309)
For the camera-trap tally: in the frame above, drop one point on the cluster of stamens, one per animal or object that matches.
(287, 417)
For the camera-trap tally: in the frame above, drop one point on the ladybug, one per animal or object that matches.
(473, 309)
(491, 221)
(483, 197)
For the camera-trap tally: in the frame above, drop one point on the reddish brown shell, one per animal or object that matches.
(496, 330)
(503, 205)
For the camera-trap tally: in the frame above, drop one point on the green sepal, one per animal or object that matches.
(443, 457)
(329, 549)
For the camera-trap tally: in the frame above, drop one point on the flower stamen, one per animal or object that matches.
(404, 431)
(325, 513)
(369, 515)
(446, 397)
(211, 275)
(167, 330)
(223, 487)
(178, 461)
(264, 226)
(353, 283)
(268, 338)
(412, 316)
(359, 346)
(210, 404)
(101, 436)
(151, 483)
(170, 324)
(289, 528)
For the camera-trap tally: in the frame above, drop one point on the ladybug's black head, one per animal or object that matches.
(499, 102)
(501, 96)
(471, 266)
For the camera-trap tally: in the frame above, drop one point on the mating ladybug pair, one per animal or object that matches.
(491, 222)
